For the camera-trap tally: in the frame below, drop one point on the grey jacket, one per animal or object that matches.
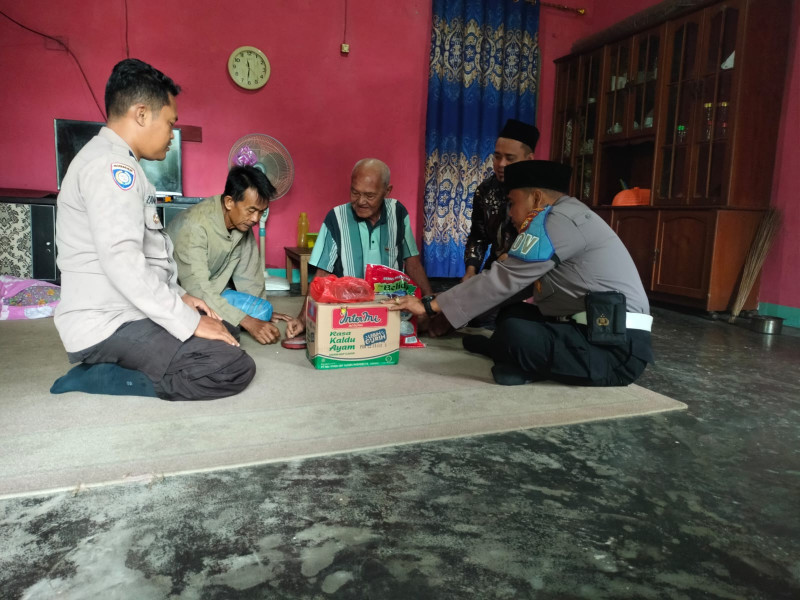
(115, 260)
(590, 258)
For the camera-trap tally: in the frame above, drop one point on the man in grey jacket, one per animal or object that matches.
(120, 303)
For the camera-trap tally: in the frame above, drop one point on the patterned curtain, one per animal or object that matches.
(484, 70)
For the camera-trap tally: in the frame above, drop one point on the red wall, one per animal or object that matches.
(328, 110)
(781, 275)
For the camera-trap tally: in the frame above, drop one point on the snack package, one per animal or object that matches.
(391, 283)
(333, 290)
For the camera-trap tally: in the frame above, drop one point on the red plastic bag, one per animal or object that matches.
(333, 290)
(391, 282)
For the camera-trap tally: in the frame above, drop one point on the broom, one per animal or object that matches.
(767, 230)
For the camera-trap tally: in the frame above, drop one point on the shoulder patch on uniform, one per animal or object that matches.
(533, 244)
(123, 175)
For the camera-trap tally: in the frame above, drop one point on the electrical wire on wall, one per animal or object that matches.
(345, 47)
(127, 46)
(63, 45)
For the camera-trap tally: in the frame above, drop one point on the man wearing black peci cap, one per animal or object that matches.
(583, 281)
(490, 224)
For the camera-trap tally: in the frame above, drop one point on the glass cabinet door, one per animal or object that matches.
(714, 126)
(565, 115)
(583, 175)
(678, 126)
(630, 86)
(646, 48)
(616, 89)
(695, 149)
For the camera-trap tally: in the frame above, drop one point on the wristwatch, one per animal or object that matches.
(426, 302)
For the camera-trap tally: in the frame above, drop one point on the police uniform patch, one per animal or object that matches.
(123, 175)
(533, 244)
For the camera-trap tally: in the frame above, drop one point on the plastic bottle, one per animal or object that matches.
(722, 118)
(302, 230)
(708, 110)
(681, 137)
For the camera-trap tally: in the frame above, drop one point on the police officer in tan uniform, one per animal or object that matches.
(590, 324)
(120, 301)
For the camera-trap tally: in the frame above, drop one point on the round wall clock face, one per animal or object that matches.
(248, 67)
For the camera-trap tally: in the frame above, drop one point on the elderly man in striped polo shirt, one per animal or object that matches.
(370, 229)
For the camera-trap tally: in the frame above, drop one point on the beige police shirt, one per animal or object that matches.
(115, 260)
(209, 256)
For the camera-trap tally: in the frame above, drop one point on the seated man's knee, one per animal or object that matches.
(237, 374)
(245, 370)
(515, 332)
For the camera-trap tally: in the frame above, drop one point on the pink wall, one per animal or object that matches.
(327, 109)
(780, 281)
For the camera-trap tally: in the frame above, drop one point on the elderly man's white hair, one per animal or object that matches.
(374, 163)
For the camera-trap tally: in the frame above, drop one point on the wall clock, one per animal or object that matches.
(248, 67)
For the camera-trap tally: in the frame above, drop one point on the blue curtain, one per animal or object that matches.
(484, 69)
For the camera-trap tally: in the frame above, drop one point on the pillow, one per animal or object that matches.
(27, 298)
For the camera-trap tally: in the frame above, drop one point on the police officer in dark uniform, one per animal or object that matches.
(590, 324)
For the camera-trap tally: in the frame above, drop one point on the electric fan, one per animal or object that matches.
(269, 156)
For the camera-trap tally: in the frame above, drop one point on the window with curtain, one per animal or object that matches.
(484, 69)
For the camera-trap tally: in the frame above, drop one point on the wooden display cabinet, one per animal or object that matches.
(688, 107)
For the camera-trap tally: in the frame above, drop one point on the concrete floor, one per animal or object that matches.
(695, 504)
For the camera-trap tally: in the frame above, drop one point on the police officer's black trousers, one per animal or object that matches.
(197, 369)
(541, 348)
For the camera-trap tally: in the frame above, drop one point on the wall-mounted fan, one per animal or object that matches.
(268, 155)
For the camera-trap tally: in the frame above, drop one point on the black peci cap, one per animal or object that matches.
(537, 174)
(522, 132)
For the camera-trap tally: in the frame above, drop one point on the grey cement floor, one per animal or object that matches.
(695, 504)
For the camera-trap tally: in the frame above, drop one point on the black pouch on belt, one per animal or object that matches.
(605, 318)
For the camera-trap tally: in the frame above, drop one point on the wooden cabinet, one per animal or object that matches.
(684, 241)
(691, 257)
(637, 230)
(699, 256)
(687, 106)
(31, 233)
